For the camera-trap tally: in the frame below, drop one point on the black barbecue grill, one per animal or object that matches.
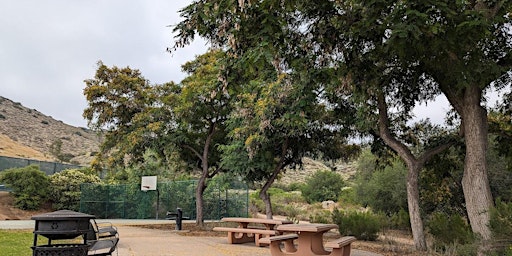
(60, 225)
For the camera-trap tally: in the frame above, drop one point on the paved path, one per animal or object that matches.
(135, 241)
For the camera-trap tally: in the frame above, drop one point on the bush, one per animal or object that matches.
(449, 229)
(283, 203)
(362, 225)
(29, 186)
(400, 220)
(322, 216)
(501, 227)
(65, 189)
(384, 190)
(323, 186)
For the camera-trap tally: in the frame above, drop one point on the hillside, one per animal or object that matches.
(27, 133)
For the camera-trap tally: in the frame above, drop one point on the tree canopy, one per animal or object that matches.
(378, 55)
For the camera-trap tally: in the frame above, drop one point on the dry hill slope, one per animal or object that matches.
(27, 133)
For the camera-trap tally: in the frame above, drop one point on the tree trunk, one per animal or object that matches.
(264, 190)
(414, 165)
(475, 183)
(201, 186)
(268, 205)
(413, 202)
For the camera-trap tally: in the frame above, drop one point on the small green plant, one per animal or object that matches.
(29, 186)
(448, 230)
(362, 225)
(322, 186)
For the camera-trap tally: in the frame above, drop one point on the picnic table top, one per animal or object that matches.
(312, 227)
(256, 220)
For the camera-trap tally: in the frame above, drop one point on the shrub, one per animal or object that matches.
(362, 225)
(384, 190)
(65, 189)
(322, 186)
(501, 227)
(449, 229)
(400, 220)
(322, 216)
(29, 186)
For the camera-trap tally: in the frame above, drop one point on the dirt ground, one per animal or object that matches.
(9, 212)
(390, 243)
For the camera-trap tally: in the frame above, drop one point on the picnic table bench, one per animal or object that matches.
(309, 238)
(246, 233)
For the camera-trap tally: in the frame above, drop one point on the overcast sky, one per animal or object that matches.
(48, 48)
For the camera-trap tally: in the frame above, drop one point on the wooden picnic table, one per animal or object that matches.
(251, 229)
(309, 240)
(244, 222)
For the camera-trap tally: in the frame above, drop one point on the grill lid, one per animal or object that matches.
(63, 215)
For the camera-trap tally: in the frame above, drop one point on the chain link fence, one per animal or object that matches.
(47, 167)
(127, 201)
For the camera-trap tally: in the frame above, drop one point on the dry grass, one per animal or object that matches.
(11, 148)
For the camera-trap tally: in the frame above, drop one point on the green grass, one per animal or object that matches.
(16, 242)
(19, 242)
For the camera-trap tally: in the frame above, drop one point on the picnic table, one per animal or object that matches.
(309, 239)
(251, 229)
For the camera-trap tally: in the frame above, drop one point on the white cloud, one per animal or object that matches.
(47, 48)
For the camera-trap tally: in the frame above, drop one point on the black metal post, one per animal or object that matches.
(179, 216)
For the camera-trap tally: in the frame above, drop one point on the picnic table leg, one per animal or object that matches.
(289, 246)
(276, 250)
(239, 238)
(309, 242)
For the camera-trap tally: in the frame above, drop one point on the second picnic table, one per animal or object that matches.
(245, 233)
(309, 240)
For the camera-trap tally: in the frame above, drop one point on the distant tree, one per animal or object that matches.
(381, 188)
(273, 126)
(183, 121)
(117, 98)
(322, 186)
(200, 105)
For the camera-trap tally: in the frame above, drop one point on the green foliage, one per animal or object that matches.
(323, 216)
(362, 225)
(400, 220)
(348, 196)
(29, 186)
(501, 227)
(448, 230)
(65, 188)
(283, 203)
(440, 183)
(383, 190)
(322, 186)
